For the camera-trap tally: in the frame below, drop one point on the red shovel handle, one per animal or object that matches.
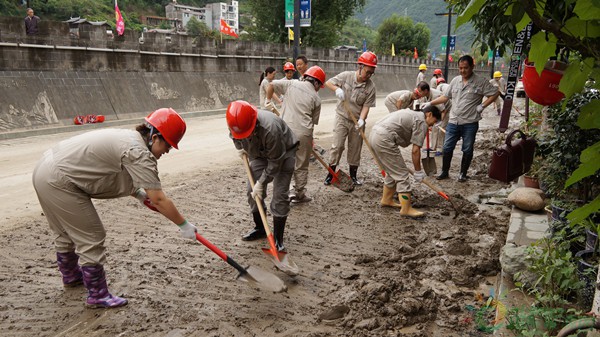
(222, 255)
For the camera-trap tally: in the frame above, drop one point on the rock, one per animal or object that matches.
(373, 288)
(513, 260)
(336, 312)
(527, 199)
(369, 324)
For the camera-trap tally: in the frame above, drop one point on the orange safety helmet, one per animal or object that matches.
(317, 73)
(241, 119)
(368, 58)
(440, 80)
(288, 66)
(437, 72)
(170, 125)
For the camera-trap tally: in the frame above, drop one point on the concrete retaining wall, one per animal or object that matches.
(50, 78)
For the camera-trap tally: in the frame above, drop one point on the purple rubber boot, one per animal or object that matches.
(94, 279)
(69, 268)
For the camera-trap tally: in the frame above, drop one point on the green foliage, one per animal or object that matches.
(560, 149)
(537, 321)
(328, 19)
(552, 263)
(403, 33)
(355, 31)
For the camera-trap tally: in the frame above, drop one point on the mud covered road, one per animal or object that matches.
(365, 271)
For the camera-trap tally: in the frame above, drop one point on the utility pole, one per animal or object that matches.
(296, 28)
(449, 14)
(493, 63)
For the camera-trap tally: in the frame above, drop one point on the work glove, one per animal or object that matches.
(360, 123)
(339, 93)
(424, 105)
(142, 196)
(187, 230)
(258, 190)
(242, 153)
(269, 106)
(480, 108)
(419, 175)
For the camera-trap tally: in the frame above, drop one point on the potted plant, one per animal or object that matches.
(531, 178)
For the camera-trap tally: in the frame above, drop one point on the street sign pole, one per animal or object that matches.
(449, 14)
(296, 28)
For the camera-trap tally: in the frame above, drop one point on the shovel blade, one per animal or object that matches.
(262, 279)
(429, 166)
(343, 181)
(283, 262)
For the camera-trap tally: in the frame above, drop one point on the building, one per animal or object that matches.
(211, 15)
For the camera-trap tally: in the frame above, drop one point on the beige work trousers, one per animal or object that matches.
(70, 214)
(384, 145)
(302, 161)
(344, 128)
(438, 136)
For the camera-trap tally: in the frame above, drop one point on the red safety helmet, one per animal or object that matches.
(170, 125)
(317, 73)
(440, 80)
(288, 66)
(241, 119)
(437, 72)
(368, 58)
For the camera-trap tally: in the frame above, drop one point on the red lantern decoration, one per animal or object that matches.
(543, 89)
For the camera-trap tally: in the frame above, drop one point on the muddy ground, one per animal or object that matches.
(365, 271)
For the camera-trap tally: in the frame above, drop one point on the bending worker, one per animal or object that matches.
(400, 129)
(270, 146)
(301, 111)
(103, 164)
(355, 91)
(404, 99)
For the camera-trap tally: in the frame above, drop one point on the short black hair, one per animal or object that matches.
(303, 58)
(423, 86)
(435, 112)
(468, 59)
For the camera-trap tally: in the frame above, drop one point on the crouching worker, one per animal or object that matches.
(103, 164)
(271, 149)
(401, 129)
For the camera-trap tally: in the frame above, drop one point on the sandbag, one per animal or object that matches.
(527, 199)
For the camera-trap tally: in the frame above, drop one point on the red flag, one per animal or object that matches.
(450, 59)
(225, 29)
(416, 54)
(119, 17)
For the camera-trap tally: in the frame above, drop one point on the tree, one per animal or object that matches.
(354, 32)
(403, 33)
(328, 19)
(569, 30)
(196, 27)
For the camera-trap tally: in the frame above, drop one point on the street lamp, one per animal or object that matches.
(449, 15)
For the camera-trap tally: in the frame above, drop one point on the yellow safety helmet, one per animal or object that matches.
(422, 66)
(497, 74)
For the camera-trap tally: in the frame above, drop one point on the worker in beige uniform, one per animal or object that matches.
(265, 78)
(439, 141)
(437, 73)
(103, 164)
(404, 99)
(356, 90)
(301, 65)
(421, 74)
(270, 146)
(301, 111)
(499, 83)
(434, 132)
(401, 129)
(467, 92)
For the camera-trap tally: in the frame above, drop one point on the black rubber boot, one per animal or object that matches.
(353, 170)
(258, 232)
(278, 229)
(329, 177)
(464, 167)
(446, 161)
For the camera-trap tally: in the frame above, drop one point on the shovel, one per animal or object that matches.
(252, 275)
(362, 134)
(429, 164)
(439, 191)
(340, 179)
(280, 259)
